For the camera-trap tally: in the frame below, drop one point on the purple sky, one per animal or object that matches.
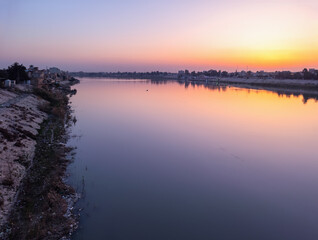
(161, 35)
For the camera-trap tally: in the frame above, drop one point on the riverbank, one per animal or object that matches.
(306, 91)
(35, 200)
(280, 83)
(20, 120)
(260, 83)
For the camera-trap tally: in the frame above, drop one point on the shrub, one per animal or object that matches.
(8, 181)
(45, 107)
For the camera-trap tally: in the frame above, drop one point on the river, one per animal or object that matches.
(163, 161)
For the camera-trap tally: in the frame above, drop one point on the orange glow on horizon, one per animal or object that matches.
(229, 35)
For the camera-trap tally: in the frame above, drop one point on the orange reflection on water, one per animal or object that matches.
(249, 121)
(204, 153)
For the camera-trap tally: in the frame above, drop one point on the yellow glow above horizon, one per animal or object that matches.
(261, 36)
(225, 34)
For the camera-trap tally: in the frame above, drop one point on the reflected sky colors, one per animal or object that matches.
(193, 163)
(160, 35)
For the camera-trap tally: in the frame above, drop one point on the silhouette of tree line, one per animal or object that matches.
(121, 74)
(14, 72)
(305, 74)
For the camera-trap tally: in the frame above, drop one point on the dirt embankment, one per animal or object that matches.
(35, 202)
(20, 120)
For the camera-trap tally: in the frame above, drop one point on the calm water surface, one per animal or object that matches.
(178, 162)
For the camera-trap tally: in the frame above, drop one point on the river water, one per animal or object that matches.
(174, 161)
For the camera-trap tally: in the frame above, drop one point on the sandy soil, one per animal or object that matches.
(20, 120)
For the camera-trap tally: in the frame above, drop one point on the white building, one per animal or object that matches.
(7, 83)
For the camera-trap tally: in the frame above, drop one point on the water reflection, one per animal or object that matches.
(281, 92)
(206, 162)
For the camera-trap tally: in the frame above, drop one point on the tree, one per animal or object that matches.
(225, 74)
(3, 74)
(187, 72)
(307, 74)
(17, 72)
(212, 73)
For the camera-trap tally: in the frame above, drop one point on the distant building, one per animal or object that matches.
(242, 74)
(312, 70)
(54, 70)
(181, 74)
(37, 76)
(262, 74)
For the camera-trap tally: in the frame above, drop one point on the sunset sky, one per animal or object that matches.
(165, 35)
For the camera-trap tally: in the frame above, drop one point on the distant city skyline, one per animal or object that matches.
(160, 35)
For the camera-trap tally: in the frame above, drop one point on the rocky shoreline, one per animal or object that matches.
(35, 202)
